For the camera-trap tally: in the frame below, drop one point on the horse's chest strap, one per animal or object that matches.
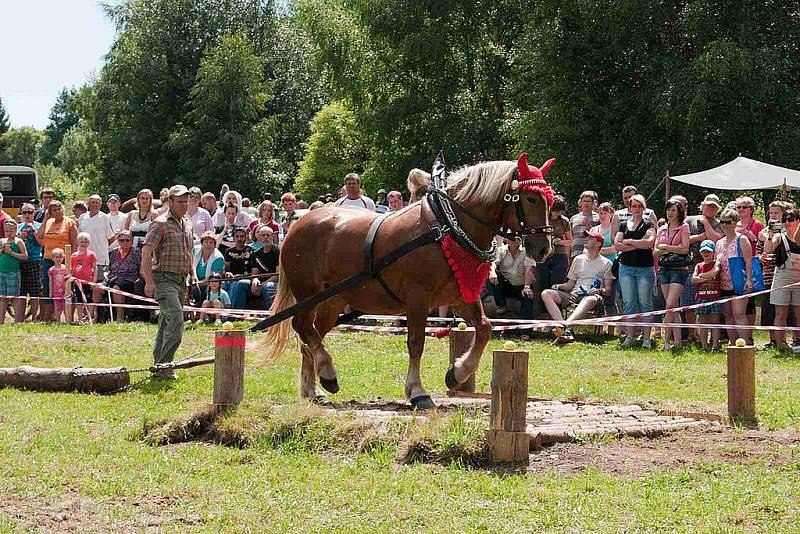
(369, 244)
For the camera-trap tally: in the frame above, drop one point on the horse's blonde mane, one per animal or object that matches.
(483, 183)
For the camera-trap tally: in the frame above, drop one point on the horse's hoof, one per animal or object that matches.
(331, 385)
(423, 402)
(320, 400)
(450, 378)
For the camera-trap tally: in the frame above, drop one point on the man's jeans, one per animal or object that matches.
(504, 289)
(169, 292)
(237, 291)
(268, 290)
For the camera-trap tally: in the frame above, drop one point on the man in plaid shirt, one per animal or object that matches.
(167, 262)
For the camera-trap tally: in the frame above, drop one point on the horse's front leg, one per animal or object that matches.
(417, 319)
(466, 364)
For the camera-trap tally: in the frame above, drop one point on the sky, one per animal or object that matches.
(47, 45)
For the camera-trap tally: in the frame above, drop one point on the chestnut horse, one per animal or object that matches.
(326, 246)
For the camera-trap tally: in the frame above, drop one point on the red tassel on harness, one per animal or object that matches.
(470, 272)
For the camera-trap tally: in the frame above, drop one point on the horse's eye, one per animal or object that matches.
(532, 200)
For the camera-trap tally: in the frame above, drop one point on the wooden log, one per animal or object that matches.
(460, 342)
(742, 384)
(84, 380)
(228, 369)
(507, 436)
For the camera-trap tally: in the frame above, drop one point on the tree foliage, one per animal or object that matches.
(62, 118)
(21, 146)
(5, 120)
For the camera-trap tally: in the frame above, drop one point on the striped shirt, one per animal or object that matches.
(171, 240)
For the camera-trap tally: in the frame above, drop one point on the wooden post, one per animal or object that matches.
(460, 342)
(68, 311)
(508, 440)
(742, 384)
(228, 369)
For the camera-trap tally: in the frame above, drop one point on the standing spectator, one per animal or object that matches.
(265, 261)
(608, 229)
(12, 253)
(749, 227)
(266, 217)
(207, 259)
(167, 261)
(116, 218)
(209, 202)
(418, 182)
(200, 217)
(238, 262)
(78, 209)
(507, 277)
(140, 219)
(288, 215)
(395, 200)
(554, 269)
(247, 208)
(583, 221)
(706, 279)
(354, 198)
(588, 285)
(163, 202)
(123, 270)
(634, 242)
(382, 200)
(58, 284)
(625, 214)
(701, 227)
(672, 243)
(98, 226)
(3, 217)
(30, 269)
(777, 210)
(728, 247)
(84, 269)
(785, 274)
(47, 195)
(57, 231)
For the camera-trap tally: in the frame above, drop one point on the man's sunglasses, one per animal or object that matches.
(26, 212)
(726, 222)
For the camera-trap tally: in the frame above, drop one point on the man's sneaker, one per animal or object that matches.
(646, 344)
(629, 342)
(567, 337)
(167, 374)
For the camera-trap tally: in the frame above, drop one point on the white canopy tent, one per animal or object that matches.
(743, 174)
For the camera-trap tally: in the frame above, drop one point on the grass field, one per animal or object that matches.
(72, 462)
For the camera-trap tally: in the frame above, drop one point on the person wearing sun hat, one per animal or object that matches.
(706, 278)
(588, 282)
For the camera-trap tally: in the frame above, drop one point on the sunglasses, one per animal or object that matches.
(726, 222)
(26, 212)
(123, 240)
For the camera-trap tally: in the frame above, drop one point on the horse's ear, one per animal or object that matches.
(547, 165)
(522, 164)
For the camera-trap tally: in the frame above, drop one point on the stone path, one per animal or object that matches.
(553, 421)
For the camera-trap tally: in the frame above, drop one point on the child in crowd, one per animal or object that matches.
(84, 269)
(58, 283)
(217, 298)
(706, 278)
(12, 253)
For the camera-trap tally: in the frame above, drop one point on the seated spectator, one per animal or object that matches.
(395, 201)
(217, 298)
(123, 272)
(207, 260)
(354, 197)
(238, 262)
(588, 284)
(507, 278)
(266, 216)
(225, 230)
(232, 198)
(265, 261)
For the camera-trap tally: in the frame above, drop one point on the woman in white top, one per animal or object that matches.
(232, 198)
(139, 220)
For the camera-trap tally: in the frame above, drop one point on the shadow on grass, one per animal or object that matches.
(155, 385)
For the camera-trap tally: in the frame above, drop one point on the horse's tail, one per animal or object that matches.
(277, 336)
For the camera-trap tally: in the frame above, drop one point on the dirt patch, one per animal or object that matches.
(677, 450)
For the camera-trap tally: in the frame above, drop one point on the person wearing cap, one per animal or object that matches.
(97, 224)
(381, 199)
(701, 227)
(507, 278)
(706, 278)
(589, 282)
(167, 263)
(117, 219)
(353, 197)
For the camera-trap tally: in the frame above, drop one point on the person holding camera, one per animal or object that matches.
(784, 252)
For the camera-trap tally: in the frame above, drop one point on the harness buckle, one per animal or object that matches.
(508, 197)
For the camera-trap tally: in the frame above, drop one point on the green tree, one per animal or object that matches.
(62, 118)
(5, 120)
(21, 146)
(224, 138)
(79, 155)
(333, 150)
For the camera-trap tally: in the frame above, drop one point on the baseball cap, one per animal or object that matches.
(594, 235)
(708, 245)
(178, 191)
(712, 199)
(381, 191)
(113, 196)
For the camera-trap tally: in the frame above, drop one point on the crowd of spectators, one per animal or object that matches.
(605, 261)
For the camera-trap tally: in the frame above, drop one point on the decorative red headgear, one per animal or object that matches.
(532, 179)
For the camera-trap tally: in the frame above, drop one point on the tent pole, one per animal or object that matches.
(666, 187)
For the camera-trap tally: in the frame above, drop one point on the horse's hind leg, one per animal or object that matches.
(466, 365)
(311, 326)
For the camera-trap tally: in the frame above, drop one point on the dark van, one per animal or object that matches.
(18, 185)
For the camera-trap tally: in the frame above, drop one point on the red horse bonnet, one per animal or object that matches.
(532, 179)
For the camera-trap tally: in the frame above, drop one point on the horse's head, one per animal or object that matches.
(528, 208)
